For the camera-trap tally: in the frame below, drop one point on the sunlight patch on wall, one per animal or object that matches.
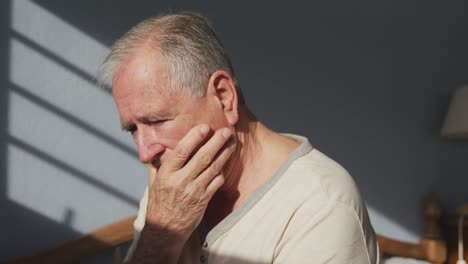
(50, 191)
(58, 36)
(66, 142)
(67, 158)
(50, 81)
(385, 226)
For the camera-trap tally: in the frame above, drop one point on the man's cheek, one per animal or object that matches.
(173, 133)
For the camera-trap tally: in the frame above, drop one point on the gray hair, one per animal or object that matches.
(188, 44)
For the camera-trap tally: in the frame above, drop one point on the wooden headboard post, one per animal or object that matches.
(432, 214)
(434, 246)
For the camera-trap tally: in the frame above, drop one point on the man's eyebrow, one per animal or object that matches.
(151, 118)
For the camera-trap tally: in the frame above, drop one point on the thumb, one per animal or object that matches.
(151, 173)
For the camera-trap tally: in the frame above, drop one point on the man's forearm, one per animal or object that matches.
(157, 247)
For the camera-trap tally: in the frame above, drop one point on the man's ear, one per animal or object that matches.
(221, 85)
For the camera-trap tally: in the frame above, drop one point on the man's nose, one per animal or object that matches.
(148, 147)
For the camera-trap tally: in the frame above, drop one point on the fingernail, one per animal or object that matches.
(227, 132)
(204, 128)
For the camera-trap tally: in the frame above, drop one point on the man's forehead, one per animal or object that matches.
(143, 67)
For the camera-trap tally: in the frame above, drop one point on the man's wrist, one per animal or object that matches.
(158, 245)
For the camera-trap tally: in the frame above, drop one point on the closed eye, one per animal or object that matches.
(155, 122)
(129, 128)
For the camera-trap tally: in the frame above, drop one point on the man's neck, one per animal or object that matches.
(249, 167)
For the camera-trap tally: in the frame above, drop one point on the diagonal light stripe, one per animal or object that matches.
(71, 44)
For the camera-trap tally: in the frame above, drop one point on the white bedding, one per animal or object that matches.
(397, 260)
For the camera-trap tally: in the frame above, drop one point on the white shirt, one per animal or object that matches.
(310, 211)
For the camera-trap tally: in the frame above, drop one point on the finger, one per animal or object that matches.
(151, 173)
(185, 147)
(205, 155)
(216, 167)
(214, 186)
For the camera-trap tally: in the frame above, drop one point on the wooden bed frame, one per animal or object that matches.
(431, 248)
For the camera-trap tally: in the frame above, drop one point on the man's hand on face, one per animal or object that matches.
(179, 192)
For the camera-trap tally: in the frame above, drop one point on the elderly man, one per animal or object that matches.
(222, 187)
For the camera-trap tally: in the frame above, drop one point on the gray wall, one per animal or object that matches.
(367, 82)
